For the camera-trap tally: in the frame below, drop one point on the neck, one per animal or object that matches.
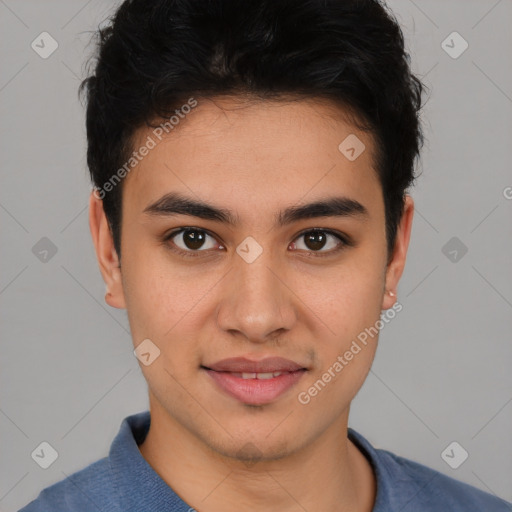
(330, 474)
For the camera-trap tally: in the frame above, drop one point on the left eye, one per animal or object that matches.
(317, 239)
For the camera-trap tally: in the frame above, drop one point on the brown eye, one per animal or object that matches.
(192, 240)
(315, 240)
(318, 239)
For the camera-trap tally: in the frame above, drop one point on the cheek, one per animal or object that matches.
(348, 305)
(152, 296)
(163, 298)
(348, 308)
(345, 300)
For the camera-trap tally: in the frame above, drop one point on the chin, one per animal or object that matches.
(245, 439)
(252, 450)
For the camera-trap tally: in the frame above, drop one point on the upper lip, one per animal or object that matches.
(243, 365)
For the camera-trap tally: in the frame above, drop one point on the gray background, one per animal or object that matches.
(443, 369)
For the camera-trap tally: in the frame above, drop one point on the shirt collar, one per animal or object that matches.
(395, 487)
(138, 485)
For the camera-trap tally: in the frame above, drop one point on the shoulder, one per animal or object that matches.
(425, 489)
(408, 486)
(91, 488)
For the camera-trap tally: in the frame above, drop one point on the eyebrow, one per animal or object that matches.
(174, 203)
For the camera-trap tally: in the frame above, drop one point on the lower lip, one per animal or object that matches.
(255, 391)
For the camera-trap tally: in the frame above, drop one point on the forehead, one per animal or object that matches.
(253, 155)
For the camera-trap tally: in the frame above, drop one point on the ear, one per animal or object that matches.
(396, 265)
(105, 253)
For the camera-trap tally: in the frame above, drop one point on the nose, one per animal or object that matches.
(256, 301)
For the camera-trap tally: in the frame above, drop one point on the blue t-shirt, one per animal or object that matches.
(125, 482)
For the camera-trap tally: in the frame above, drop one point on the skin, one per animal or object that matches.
(254, 158)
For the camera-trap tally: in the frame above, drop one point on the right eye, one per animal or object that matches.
(190, 241)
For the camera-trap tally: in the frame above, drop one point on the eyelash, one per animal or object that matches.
(344, 242)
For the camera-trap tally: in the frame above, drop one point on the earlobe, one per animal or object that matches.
(389, 299)
(106, 254)
(396, 266)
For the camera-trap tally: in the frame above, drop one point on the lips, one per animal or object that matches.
(255, 382)
(267, 365)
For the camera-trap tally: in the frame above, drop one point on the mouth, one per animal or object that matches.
(255, 382)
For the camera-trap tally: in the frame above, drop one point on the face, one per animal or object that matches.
(256, 275)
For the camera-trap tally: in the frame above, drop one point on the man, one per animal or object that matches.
(250, 161)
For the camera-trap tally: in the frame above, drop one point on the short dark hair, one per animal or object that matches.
(156, 54)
